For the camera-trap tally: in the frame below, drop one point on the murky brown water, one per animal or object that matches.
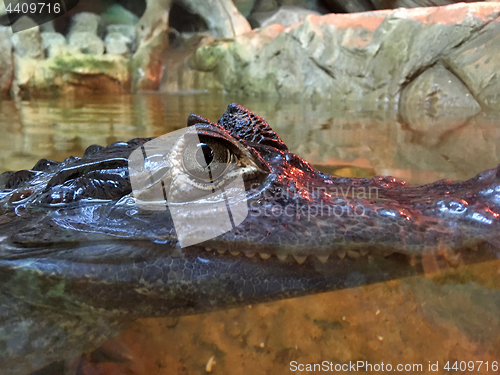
(433, 318)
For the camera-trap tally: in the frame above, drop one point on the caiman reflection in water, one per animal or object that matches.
(78, 259)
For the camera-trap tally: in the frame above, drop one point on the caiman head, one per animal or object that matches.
(137, 229)
(290, 208)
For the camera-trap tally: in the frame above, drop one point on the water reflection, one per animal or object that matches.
(325, 135)
(436, 317)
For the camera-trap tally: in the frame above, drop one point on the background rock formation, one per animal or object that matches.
(374, 56)
(370, 56)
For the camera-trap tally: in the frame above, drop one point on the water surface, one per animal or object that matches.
(324, 134)
(448, 316)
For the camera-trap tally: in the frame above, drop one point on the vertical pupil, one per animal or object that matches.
(204, 154)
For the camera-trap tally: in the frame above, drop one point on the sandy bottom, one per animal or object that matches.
(423, 320)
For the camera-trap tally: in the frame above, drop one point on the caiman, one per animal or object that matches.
(79, 257)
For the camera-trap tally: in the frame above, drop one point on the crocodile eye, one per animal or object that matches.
(207, 159)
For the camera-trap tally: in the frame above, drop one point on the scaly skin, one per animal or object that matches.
(78, 259)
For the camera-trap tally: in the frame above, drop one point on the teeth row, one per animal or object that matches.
(249, 254)
(354, 254)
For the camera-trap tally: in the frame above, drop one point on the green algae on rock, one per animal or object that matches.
(72, 73)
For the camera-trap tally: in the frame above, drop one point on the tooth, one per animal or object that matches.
(353, 254)
(221, 251)
(234, 253)
(265, 255)
(341, 254)
(249, 254)
(282, 257)
(322, 258)
(300, 258)
(363, 252)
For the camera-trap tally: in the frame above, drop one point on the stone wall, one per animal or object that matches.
(385, 57)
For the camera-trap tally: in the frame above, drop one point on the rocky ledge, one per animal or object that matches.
(422, 59)
(41, 61)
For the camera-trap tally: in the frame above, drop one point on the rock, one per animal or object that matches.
(48, 27)
(477, 63)
(286, 16)
(220, 17)
(153, 21)
(74, 73)
(208, 55)
(28, 43)
(428, 102)
(116, 14)
(50, 40)
(63, 49)
(117, 43)
(148, 62)
(6, 64)
(87, 42)
(351, 57)
(85, 22)
(127, 31)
